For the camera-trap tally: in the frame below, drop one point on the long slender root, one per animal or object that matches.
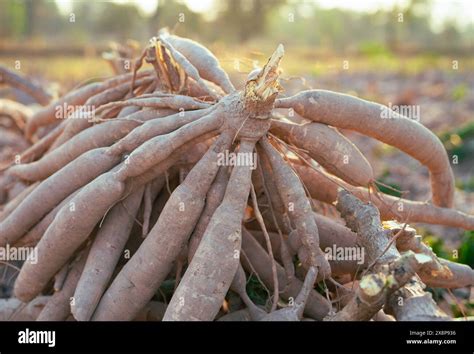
(139, 279)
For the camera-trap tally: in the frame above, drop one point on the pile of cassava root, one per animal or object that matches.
(169, 174)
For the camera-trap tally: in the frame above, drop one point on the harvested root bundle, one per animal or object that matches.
(178, 178)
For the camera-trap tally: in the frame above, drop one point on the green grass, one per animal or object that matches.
(465, 256)
(467, 185)
(166, 290)
(465, 253)
(257, 291)
(459, 92)
(389, 186)
(460, 142)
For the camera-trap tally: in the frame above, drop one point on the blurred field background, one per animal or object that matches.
(412, 52)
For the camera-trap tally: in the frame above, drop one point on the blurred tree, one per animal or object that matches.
(119, 20)
(12, 18)
(393, 20)
(286, 21)
(29, 18)
(409, 27)
(85, 18)
(243, 19)
(450, 36)
(31, 8)
(177, 17)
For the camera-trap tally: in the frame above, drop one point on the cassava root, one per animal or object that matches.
(180, 180)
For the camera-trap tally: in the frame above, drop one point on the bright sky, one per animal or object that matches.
(462, 11)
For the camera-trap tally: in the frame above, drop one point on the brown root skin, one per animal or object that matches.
(155, 128)
(213, 200)
(179, 157)
(294, 312)
(60, 277)
(6, 182)
(82, 120)
(260, 237)
(176, 102)
(72, 127)
(13, 309)
(53, 190)
(215, 263)
(281, 213)
(17, 112)
(240, 110)
(256, 259)
(112, 94)
(58, 307)
(13, 79)
(174, 74)
(74, 98)
(333, 235)
(194, 90)
(325, 189)
(70, 228)
(139, 279)
(188, 68)
(42, 145)
(337, 154)
(33, 236)
(155, 150)
(268, 244)
(204, 61)
(294, 197)
(104, 255)
(97, 136)
(406, 134)
(10, 139)
(65, 153)
(126, 111)
(13, 203)
(151, 191)
(95, 172)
